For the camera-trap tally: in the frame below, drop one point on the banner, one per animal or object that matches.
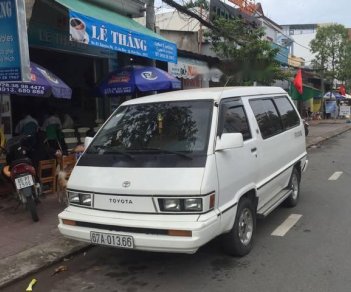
(14, 55)
(88, 30)
(330, 107)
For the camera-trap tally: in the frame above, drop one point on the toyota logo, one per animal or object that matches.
(126, 184)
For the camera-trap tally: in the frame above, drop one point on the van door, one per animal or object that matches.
(277, 145)
(237, 168)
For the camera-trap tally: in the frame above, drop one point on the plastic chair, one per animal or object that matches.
(67, 163)
(68, 133)
(71, 142)
(83, 131)
(47, 175)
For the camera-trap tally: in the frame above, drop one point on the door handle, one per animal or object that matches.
(253, 149)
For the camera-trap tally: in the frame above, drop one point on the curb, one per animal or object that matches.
(328, 136)
(37, 258)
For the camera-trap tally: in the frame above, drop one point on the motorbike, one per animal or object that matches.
(306, 126)
(22, 173)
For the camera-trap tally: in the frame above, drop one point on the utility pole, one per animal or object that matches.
(150, 22)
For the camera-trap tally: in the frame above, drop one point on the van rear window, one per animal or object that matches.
(287, 112)
(267, 117)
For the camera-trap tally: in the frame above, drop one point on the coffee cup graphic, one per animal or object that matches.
(77, 30)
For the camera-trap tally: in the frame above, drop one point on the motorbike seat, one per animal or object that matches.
(21, 160)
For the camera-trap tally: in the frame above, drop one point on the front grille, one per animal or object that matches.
(122, 228)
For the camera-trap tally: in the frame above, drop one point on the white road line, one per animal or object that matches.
(335, 175)
(282, 229)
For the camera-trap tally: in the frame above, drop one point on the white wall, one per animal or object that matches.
(303, 51)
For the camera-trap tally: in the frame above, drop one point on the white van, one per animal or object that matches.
(170, 172)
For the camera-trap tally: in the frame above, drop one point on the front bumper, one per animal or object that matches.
(202, 231)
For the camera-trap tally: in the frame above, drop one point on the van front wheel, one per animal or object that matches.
(238, 242)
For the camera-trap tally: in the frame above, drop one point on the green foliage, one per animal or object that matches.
(345, 65)
(197, 3)
(329, 47)
(248, 57)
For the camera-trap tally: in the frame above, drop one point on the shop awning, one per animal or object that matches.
(100, 27)
(307, 92)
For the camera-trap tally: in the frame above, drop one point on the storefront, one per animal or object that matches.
(81, 56)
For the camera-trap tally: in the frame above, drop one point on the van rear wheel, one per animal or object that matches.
(239, 241)
(294, 186)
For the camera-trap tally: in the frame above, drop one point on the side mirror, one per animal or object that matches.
(229, 141)
(87, 141)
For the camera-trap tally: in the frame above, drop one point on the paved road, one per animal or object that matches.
(314, 255)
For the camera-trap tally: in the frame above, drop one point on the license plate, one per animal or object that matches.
(115, 240)
(24, 182)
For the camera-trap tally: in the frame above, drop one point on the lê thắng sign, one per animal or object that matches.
(88, 30)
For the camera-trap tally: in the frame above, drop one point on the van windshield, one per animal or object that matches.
(179, 128)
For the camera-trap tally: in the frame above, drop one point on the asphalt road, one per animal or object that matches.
(314, 255)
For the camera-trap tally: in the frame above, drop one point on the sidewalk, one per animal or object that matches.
(321, 130)
(26, 247)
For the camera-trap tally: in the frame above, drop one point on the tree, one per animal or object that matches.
(345, 66)
(329, 47)
(248, 57)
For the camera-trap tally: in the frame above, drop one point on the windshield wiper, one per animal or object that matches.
(163, 151)
(113, 151)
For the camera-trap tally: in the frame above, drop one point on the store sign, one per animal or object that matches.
(191, 69)
(88, 30)
(187, 68)
(14, 56)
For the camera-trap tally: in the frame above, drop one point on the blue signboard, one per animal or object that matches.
(95, 32)
(13, 46)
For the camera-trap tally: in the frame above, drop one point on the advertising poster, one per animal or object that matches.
(14, 56)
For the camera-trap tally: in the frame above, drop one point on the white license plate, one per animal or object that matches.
(108, 239)
(24, 182)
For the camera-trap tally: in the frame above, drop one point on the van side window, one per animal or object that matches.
(235, 121)
(287, 112)
(267, 117)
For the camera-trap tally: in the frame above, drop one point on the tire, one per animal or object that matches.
(294, 185)
(306, 131)
(239, 241)
(32, 208)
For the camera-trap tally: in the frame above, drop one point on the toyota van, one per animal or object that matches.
(170, 172)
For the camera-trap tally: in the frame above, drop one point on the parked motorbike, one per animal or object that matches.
(22, 173)
(306, 126)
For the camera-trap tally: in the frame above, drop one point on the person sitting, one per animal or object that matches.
(27, 125)
(52, 119)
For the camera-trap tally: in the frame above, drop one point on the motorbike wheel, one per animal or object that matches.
(31, 206)
(306, 131)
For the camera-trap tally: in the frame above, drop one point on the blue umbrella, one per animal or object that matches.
(43, 83)
(127, 80)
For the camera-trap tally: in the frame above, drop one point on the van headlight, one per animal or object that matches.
(171, 205)
(193, 204)
(79, 199)
(180, 205)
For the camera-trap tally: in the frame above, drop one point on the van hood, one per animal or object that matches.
(137, 181)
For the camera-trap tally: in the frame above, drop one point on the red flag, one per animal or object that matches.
(298, 81)
(342, 90)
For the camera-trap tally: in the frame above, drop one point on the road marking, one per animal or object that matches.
(282, 229)
(335, 175)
